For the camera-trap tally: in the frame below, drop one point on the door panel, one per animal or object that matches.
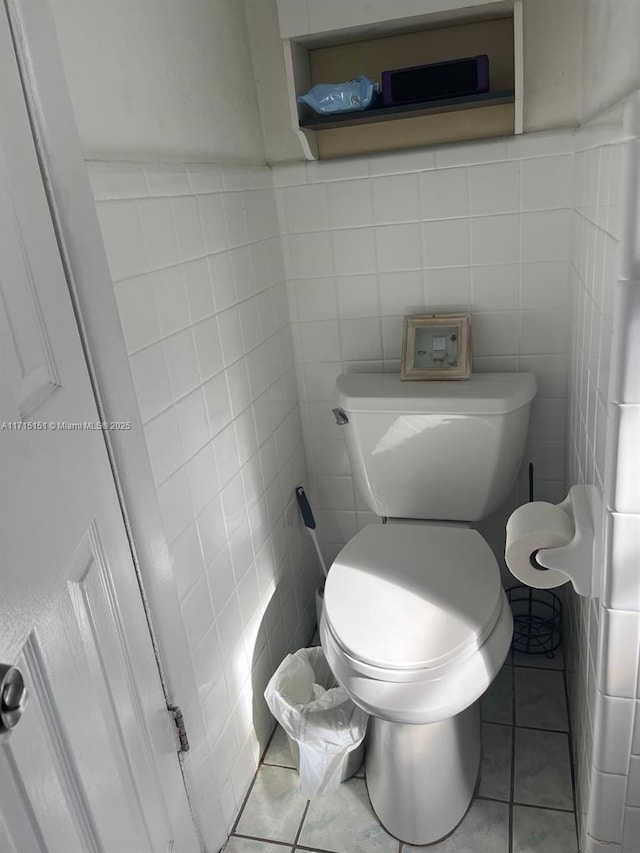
(33, 772)
(33, 371)
(96, 617)
(82, 769)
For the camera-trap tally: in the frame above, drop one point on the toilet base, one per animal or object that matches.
(421, 778)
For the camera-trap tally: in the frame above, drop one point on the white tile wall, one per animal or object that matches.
(604, 633)
(197, 267)
(588, 396)
(483, 227)
(199, 279)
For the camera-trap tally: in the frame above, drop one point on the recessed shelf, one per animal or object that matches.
(314, 121)
(319, 56)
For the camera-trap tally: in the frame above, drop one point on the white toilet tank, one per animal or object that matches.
(435, 450)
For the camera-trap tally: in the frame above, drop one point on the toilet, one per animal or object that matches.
(415, 624)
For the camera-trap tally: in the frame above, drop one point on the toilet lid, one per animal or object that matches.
(412, 597)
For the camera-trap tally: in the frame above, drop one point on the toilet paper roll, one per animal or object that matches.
(530, 528)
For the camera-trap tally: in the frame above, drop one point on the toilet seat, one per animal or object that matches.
(415, 623)
(412, 598)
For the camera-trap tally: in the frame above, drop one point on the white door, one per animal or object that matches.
(92, 766)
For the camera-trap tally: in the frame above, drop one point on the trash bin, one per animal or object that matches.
(324, 727)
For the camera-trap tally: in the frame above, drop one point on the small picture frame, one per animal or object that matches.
(436, 346)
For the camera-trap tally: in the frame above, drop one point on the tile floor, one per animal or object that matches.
(525, 800)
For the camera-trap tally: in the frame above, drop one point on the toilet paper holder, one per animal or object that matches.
(575, 560)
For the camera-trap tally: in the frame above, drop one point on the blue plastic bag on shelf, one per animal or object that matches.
(354, 95)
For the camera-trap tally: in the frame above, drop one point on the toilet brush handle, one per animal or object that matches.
(310, 524)
(305, 509)
(314, 538)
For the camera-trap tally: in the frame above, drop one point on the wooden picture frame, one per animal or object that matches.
(436, 346)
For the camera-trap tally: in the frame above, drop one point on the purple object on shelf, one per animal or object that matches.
(451, 79)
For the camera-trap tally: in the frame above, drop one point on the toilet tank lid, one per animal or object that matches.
(482, 393)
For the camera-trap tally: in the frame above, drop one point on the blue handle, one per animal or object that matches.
(305, 509)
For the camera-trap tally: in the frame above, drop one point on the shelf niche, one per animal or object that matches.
(416, 125)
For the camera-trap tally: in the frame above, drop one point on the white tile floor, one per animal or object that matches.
(525, 801)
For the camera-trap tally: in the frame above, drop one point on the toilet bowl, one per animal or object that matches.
(415, 623)
(415, 627)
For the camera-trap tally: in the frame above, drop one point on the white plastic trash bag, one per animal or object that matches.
(319, 716)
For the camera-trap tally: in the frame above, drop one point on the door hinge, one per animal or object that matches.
(181, 729)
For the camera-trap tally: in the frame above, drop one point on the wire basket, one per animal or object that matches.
(537, 620)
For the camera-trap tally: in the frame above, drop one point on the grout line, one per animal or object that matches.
(285, 844)
(281, 766)
(513, 755)
(266, 749)
(528, 728)
(313, 849)
(490, 799)
(571, 764)
(539, 729)
(244, 802)
(544, 808)
(539, 668)
(298, 833)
